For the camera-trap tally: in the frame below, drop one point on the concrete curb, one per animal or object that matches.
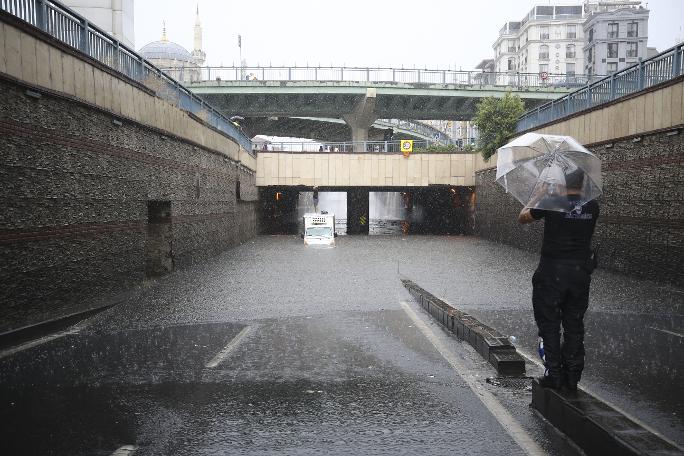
(594, 426)
(28, 333)
(492, 345)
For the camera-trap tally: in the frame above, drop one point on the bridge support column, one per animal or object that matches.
(361, 118)
(357, 211)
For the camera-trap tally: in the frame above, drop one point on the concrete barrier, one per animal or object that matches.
(489, 343)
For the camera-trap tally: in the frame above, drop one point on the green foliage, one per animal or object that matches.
(438, 148)
(496, 119)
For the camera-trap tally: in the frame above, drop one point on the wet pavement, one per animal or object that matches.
(274, 348)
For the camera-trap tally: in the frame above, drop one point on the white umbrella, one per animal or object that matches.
(549, 172)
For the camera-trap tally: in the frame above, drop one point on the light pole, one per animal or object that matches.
(242, 70)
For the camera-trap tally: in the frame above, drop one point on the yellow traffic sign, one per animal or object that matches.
(406, 146)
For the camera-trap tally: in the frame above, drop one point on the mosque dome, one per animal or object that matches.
(166, 50)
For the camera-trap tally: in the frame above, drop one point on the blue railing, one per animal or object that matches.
(647, 73)
(69, 27)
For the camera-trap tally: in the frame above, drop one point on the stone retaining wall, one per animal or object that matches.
(76, 187)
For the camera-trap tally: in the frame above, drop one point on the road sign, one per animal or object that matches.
(544, 75)
(406, 147)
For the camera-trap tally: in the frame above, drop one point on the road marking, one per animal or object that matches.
(220, 356)
(587, 390)
(666, 331)
(126, 450)
(510, 425)
(36, 342)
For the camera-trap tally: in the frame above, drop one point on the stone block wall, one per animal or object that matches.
(76, 183)
(641, 227)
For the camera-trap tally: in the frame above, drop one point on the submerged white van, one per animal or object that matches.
(319, 229)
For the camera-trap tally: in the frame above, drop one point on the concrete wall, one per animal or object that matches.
(641, 228)
(79, 168)
(366, 169)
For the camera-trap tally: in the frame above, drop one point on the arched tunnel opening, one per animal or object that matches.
(437, 209)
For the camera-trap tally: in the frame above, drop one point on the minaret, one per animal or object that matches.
(197, 53)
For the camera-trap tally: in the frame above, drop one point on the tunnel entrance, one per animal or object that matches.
(388, 213)
(332, 202)
(359, 210)
(159, 245)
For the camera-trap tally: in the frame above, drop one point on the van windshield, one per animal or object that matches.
(319, 231)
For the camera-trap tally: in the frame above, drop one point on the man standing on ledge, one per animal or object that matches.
(560, 285)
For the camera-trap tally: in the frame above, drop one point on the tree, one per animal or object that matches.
(496, 119)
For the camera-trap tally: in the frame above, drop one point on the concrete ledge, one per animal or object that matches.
(27, 333)
(489, 343)
(594, 426)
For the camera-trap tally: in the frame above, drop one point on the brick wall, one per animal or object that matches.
(641, 228)
(74, 197)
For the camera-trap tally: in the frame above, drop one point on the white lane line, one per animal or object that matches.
(126, 450)
(666, 331)
(510, 425)
(34, 343)
(220, 356)
(587, 390)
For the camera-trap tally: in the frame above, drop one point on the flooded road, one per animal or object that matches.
(274, 348)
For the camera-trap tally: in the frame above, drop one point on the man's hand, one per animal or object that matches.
(525, 216)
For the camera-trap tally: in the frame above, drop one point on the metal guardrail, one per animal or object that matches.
(660, 68)
(389, 75)
(74, 30)
(361, 146)
(420, 128)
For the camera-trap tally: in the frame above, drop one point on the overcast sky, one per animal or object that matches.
(425, 33)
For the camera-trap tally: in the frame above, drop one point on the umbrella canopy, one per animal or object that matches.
(549, 172)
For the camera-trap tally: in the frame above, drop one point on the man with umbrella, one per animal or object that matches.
(558, 180)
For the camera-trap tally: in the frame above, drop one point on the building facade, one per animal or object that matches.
(174, 59)
(113, 16)
(615, 39)
(549, 39)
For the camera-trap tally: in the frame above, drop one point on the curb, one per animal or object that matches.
(594, 426)
(28, 333)
(489, 343)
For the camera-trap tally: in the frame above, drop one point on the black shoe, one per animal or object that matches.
(551, 382)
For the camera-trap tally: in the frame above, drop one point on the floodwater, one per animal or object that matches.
(273, 348)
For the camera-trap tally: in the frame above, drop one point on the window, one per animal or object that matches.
(543, 33)
(613, 29)
(543, 68)
(590, 55)
(591, 35)
(571, 31)
(511, 46)
(570, 69)
(612, 50)
(632, 49)
(633, 29)
(612, 67)
(511, 64)
(570, 51)
(543, 52)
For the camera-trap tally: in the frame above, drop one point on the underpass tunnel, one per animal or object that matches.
(445, 210)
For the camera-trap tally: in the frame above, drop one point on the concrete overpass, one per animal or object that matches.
(336, 130)
(361, 103)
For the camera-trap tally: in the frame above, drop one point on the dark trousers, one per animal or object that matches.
(560, 297)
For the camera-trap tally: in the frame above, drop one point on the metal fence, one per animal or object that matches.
(74, 30)
(646, 73)
(390, 75)
(418, 128)
(363, 146)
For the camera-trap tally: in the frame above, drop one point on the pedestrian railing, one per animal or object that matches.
(418, 128)
(74, 30)
(365, 146)
(647, 73)
(389, 75)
